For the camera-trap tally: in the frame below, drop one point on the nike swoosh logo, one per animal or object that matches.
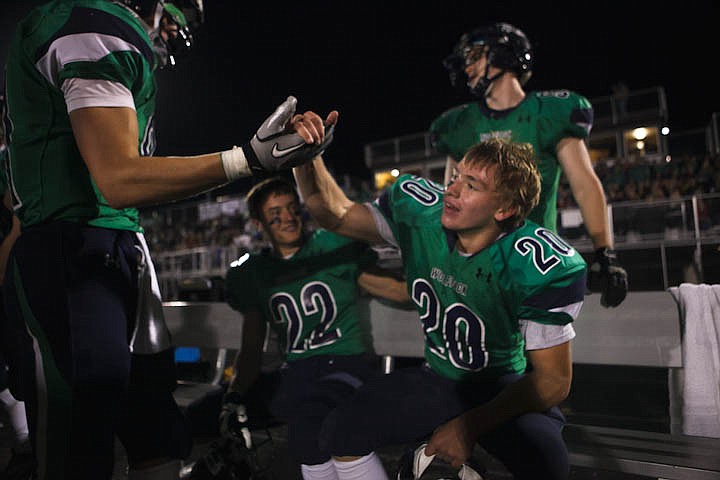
(279, 153)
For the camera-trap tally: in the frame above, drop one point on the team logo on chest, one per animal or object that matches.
(504, 134)
(448, 281)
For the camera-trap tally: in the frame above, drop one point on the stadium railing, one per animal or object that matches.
(646, 330)
(661, 243)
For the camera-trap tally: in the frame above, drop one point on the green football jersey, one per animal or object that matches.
(470, 306)
(310, 299)
(88, 39)
(542, 119)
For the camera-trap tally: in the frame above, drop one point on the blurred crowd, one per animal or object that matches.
(633, 181)
(623, 181)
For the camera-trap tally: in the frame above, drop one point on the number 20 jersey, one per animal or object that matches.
(310, 300)
(470, 306)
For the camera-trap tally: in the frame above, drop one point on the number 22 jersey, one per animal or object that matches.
(310, 299)
(471, 306)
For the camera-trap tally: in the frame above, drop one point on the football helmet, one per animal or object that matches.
(187, 15)
(506, 47)
(415, 465)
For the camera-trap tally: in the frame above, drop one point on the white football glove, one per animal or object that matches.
(272, 148)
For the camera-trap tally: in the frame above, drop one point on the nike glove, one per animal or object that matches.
(271, 149)
(607, 276)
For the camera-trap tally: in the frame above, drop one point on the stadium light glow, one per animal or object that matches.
(640, 133)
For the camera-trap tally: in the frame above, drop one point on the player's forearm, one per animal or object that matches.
(326, 201)
(247, 369)
(593, 206)
(385, 286)
(141, 181)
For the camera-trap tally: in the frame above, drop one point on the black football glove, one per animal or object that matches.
(607, 276)
(234, 420)
(273, 149)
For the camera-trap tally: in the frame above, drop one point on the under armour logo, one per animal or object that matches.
(527, 119)
(480, 273)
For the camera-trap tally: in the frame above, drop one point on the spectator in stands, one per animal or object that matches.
(656, 191)
(463, 248)
(306, 289)
(630, 192)
(80, 97)
(494, 62)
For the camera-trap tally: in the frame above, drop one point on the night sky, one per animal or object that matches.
(379, 63)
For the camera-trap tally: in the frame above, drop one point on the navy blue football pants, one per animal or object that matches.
(407, 405)
(70, 294)
(303, 393)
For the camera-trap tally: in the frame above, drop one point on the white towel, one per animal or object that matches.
(695, 389)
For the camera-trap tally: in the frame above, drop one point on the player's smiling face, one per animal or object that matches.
(471, 202)
(282, 221)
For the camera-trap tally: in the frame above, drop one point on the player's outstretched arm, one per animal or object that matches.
(329, 205)
(107, 138)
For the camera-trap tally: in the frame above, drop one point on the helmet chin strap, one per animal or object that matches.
(159, 46)
(482, 87)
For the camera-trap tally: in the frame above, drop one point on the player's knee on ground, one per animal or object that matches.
(539, 437)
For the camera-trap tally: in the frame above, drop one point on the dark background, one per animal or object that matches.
(379, 63)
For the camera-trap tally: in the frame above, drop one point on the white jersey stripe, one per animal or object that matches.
(573, 309)
(80, 47)
(84, 92)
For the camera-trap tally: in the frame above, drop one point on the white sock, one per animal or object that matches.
(16, 412)
(165, 471)
(368, 467)
(322, 471)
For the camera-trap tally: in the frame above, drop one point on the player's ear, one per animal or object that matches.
(503, 213)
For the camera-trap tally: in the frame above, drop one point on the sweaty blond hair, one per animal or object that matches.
(517, 179)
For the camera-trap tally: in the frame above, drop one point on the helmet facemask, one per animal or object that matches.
(507, 48)
(172, 27)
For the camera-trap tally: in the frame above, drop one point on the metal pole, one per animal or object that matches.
(697, 257)
(663, 262)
